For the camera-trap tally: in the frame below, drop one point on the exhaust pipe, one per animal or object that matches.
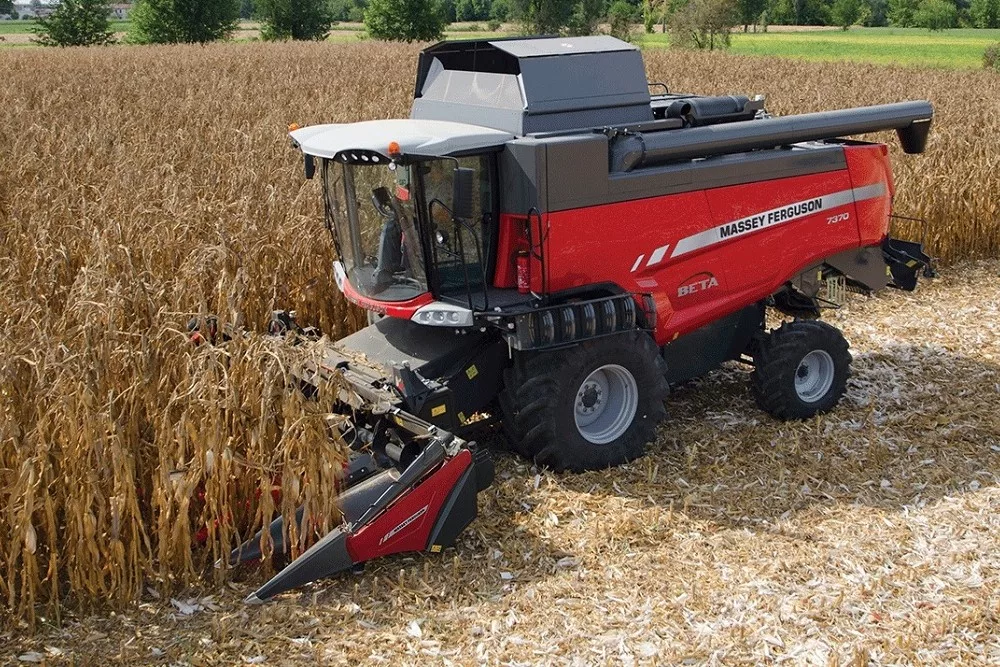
(911, 120)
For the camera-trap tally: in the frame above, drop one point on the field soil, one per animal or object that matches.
(867, 536)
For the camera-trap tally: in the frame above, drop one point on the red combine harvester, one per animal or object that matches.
(546, 241)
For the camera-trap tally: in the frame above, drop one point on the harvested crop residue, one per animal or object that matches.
(866, 536)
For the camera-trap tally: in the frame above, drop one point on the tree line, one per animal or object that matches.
(696, 23)
(567, 15)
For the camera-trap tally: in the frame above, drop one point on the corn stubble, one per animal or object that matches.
(142, 186)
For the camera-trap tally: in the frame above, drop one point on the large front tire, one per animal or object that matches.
(800, 369)
(591, 406)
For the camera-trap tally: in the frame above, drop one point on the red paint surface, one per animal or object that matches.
(401, 309)
(511, 240)
(432, 493)
(869, 165)
(602, 243)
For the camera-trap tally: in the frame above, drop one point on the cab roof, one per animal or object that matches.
(416, 137)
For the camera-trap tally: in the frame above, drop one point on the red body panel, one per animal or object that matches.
(401, 309)
(869, 165)
(652, 245)
(512, 239)
(406, 526)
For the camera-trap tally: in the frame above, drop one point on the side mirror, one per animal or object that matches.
(462, 200)
(310, 166)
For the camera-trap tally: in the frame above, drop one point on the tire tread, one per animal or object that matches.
(783, 348)
(532, 405)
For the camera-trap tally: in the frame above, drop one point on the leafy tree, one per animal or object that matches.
(172, 21)
(798, 12)
(703, 24)
(75, 23)
(901, 13)
(750, 11)
(472, 10)
(877, 14)
(340, 10)
(552, 17)
(964, 15)
(846, 13)
(620, 17)
(667, 9)
(246, 9)
(6, 7)
(985, 13)
(404, 20)
(586, 16)
(294, 19)
(500, 10)
(780, 11)
(543, 17)
(936, 15)
(357, 13)
(648, 18)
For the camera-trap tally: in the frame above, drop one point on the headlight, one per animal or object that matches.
(443, 315)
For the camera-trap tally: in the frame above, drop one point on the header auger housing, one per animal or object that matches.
(546, 242)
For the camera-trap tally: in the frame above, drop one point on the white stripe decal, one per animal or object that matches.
(638, 261)
(657, 255)
(873, 191)
(775, 216)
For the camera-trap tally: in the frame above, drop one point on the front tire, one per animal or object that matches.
(800, 369)
(590, 406)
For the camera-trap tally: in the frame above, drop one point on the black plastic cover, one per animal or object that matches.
(457, 513)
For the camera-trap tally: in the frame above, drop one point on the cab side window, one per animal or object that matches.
(460, 251)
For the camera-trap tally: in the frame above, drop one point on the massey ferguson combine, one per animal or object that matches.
(547, 242)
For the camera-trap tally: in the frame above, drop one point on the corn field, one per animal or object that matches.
(141, 187)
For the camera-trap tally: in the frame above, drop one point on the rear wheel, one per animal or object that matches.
(800, 369)
(507, 407)
(588, 407)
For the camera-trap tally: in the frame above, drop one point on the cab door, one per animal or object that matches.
(461, 252)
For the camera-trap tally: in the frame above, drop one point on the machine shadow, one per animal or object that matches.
(493, 556)
(914, 427)
(916, 424)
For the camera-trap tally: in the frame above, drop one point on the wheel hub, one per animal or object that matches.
(606, 403)
(814, 376)
(589, 398)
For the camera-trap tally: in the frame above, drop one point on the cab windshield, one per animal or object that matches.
(377, 211)
(371, 212)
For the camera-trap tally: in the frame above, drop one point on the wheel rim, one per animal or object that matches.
(606, 403)
(814, 376)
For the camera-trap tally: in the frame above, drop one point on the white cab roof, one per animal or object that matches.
(414, 136)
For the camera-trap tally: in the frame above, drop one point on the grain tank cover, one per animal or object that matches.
(533, 85)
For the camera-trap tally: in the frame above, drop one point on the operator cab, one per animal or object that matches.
(377, 211)
(412, 206)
